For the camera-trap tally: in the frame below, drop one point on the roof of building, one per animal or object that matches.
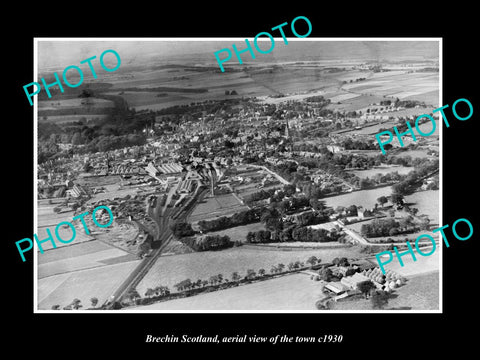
(336, 287)
(353, 280)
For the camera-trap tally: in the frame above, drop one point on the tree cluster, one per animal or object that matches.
(182, 229)
(389, 227)
(209, 242)
(241, 218)
(293, 234)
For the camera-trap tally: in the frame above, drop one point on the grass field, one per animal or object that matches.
(402, 170)
(291, 292)
(79, 262)
(74, 250)
(98, 282)
(365, 198)
(46, 218)
(422, 264)
(170, 270)
(63, 119)
(212, 207)
(244, 191)
(239, 232)
(427, 202)
(80, 103)
(422, 153)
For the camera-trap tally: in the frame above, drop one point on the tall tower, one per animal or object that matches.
(287, 130)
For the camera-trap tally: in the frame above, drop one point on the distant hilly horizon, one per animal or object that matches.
(53, 55)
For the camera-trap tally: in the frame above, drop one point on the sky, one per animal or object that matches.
(65, 52)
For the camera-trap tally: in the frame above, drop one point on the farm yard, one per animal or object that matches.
(421, 292)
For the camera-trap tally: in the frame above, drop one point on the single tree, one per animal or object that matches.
(76, 304)
(382, 200)
(235, 276)
(365, 287)
(213, 279)
(261, 272)
(343, 262)
(312, 260)
(397, 199)
(325, 274)
(379, 299)
(350, 272)
(94, 301)
(250, 274)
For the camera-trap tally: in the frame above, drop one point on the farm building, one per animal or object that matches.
(354, 280)
(336, 287)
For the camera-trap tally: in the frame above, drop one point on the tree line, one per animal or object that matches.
(293, 234)
(240, 218)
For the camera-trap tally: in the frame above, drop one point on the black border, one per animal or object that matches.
(113, 332)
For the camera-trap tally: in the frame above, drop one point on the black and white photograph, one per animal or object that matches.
(258, 186)
(217, 179)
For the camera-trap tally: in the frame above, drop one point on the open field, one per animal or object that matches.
(239, 232)
(81, 103)
(290, 292)
(422, 264)
(427, 202)
(413, 153)
(113, 191)
(212, 207)
(144, 98)
(170, 270)
(365, 198)
(98, 282)
(64, 119)
(243, 191)
(72, 251)
(396, 238)
(46, 218)
(256, 81)
(301, 245)
(78, 262)
(96, 181)
(354, 103)
(421, 292)
(401, 84)
(89, 108)
(384, 169)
